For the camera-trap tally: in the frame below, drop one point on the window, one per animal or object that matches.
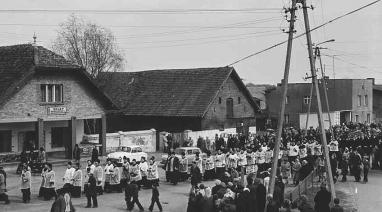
(366, 100)
(229, 108)
(307, 99)
(286, 119)
(194, 151)
(356, 118)
(126, 149)
(220, 100)
(359, 100)
(368, 117)
(52, 93)
(238, 100)
(286, 100)
(58, 136)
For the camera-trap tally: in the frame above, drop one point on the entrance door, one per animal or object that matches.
(342, 117)
(27, 140)
(5, 140)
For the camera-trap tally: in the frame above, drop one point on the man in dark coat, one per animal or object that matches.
(261, 193)
(172, 168)
(322, 199)
(272, 205)
(304, 171)
(132, 191)
(252, 194)
(94, 155)
(278, 193)
(91, 191)
(196, 175)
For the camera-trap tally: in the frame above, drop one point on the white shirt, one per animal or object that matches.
(293, 150)
(68, 176)
(108, 168)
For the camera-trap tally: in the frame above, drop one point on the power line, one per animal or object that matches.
(206, 42)
(302, 34)
(209, 37)
(162, 11)
(219, 27)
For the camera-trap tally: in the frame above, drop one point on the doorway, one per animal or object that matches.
(5, 140)
(27, 140)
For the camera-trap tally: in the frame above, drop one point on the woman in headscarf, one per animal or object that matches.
(63, 203)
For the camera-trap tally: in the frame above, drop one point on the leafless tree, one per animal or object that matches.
(88, 45)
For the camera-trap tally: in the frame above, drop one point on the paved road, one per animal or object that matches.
(366, 197)
(173, 198)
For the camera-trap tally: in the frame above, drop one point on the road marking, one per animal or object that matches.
(356, 190)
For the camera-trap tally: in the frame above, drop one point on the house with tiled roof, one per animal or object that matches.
(175, 100)
(46, 101)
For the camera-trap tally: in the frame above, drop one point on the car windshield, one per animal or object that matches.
(126, 149)
(179, 151)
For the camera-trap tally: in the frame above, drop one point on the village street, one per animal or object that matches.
(173, 198)
(362, 197)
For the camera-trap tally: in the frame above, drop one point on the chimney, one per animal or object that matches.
(35, 49)
(372, 80)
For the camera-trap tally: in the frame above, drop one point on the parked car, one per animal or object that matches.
(190, 154)
(131, 152)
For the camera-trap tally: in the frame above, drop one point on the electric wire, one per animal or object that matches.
(302, 34)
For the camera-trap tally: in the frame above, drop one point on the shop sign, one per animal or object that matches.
(57, 110)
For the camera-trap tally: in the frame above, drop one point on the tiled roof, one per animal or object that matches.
(17, 61)
(17, 64)
(174, 92)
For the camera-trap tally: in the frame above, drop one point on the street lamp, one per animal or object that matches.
(327, 41)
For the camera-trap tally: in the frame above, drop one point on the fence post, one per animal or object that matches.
(290, 196)
(299, 189)
(306, 186)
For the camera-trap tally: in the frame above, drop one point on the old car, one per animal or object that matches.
(130, 152)
(189, 151)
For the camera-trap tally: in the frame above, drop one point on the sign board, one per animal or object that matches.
(57, 110)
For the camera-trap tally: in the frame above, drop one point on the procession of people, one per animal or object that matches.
(240, 166)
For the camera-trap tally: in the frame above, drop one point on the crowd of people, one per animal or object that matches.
(92, 180)
(240, 166)
(353, 148)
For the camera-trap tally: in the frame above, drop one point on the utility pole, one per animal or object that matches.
(308, 113)
(280, 123)
(319, 106)
(318, 54)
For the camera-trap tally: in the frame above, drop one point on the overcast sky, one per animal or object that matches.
(210, 39)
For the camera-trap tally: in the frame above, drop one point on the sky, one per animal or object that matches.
(153, 40)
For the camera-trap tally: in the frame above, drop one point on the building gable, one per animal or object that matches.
(242, 106)
(79, 100)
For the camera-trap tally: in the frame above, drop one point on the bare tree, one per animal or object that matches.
(88, 45)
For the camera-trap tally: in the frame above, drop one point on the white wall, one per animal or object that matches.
(313, 119)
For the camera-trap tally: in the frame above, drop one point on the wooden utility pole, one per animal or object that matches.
(308, 113)
(319, 106)
(318, 54)
(280, 123)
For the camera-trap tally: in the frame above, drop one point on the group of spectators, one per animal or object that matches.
(352, 148)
